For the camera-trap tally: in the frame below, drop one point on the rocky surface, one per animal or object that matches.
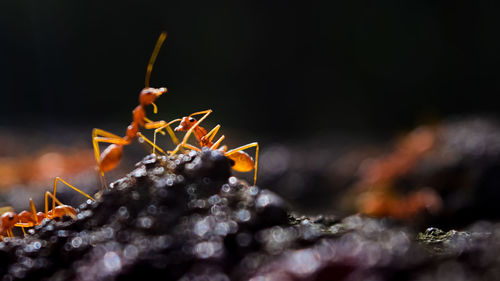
(456, 162)
(186, 218)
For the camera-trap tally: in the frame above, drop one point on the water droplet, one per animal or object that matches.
(201, 227)
(214, 199)
(67, 247)
(135, 195)
(222, 229)
(53, 239)
(243, 215)
(170, 182)
(139, 172)
(62, 233)
(152, 209)
(163, 242)
(304, 262)
(179, 179)
(158, 170)
(112, 262)
(130, 252)
(145, 222)
(254, 190)
(123, 212)
(108, 232)
(233, 181)
(233, 227)
(206, 250)
(76, 242)
(226, 188)
(244, 239)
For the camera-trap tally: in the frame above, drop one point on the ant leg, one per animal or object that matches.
(54, 199)
(96, 133)
(217, 143)
(69, 185)
(22, 224)
(47, 202)
(33, 211)
(151, 121)
(254, 144)
(98, 136)
(210, 135)
(192, 147)
(120, 141)
(151, 143)
(104, 184)
(160, 125)
(150, 124)
(24, 232)
(188, 133)
(169, 130)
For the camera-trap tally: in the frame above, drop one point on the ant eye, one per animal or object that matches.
(11, 217)
(191, 119)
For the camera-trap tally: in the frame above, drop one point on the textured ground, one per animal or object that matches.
(187, 218)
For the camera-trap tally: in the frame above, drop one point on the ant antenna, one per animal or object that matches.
(152, 60)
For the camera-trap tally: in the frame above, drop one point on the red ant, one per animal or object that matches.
(9, 219)
(110, 157)
(242, 161)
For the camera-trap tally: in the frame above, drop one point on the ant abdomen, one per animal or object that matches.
(242, 161)
(110, 157)
(61, 211)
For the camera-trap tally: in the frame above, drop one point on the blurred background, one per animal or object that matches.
(324, 88)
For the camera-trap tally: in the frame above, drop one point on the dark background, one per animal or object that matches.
(285, 69)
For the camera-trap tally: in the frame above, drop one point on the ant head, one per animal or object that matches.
(149, 95)
(186, 124)
(8, 219)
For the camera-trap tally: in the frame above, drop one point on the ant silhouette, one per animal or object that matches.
(9, 219)
(242, 162)
(110, 157)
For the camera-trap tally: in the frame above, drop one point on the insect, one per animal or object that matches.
(110, 157)
(242, 161)
(9, 219)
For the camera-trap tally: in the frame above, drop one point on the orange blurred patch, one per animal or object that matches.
(47, 164)
(376, 194)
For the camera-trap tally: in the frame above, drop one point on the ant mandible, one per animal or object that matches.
(9, 219)
(110, 157)
(242, 161)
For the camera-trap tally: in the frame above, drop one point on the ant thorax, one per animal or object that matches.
(138, 115)
(132, 130)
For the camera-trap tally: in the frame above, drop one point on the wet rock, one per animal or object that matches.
(271, 208)
(186, 218)
(450, 243)
(445, 174)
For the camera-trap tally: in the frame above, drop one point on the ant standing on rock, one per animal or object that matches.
(9, 219)
(110, 157)
(242, 161)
